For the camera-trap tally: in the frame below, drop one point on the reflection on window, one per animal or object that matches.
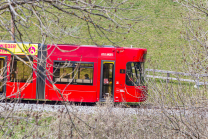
(20, 72)
(73, 72)
(135, 73)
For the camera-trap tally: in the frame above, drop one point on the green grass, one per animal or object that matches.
(158, 31)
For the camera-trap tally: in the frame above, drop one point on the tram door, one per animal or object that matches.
(107, 80)
(3, 70)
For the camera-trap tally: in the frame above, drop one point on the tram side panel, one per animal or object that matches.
(120, 71)
(17, 84)
(77, 89)
(73, 84)
(18, 72)
(106, 81)
(127, 89)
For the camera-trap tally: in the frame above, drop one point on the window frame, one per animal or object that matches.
(78, 74)
(12, 72)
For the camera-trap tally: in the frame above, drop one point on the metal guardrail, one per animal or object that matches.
(180, 73)
(168, 78)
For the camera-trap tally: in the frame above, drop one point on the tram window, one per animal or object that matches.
(135, 73)
(73, 72)
(20, 72)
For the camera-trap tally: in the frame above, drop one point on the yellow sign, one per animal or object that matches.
(108, 62)
(19, 48)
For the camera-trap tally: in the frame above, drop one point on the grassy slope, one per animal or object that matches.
(159, 32)
(162, 37)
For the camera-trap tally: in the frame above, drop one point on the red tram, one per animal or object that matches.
(79, 73)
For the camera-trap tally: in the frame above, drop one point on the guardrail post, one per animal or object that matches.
(197, 82)
(168, 75)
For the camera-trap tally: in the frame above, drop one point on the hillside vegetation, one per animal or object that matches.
(158, 30)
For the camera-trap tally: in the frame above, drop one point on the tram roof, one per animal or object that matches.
(94, 46)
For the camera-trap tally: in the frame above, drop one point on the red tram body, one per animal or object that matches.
(79, 73)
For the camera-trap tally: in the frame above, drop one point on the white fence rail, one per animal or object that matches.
(168, 78)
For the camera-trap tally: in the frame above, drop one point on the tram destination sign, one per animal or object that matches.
(19, 48)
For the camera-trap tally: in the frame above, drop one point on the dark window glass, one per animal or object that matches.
(73, 73)
(20, 72)
(135, 73)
